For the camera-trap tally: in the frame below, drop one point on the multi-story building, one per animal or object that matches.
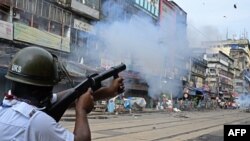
(63, 27)
(56, 25)
(195, 77)
(220, 73)
(198, 72)
(241, 62)
(127, 11)
(239, 51)
(226, 45)
(173, 23)
(84, 14)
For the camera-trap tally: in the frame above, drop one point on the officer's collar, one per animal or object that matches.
(25, 109)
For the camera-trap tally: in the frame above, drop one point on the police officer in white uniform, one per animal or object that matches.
(33, 73)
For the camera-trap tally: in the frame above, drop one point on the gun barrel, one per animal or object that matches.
(113, 71)
(57, 109)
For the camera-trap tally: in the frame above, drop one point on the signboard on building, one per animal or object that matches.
(35, 36)
(82, 25)
(6, 30)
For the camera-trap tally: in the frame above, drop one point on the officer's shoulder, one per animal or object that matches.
(41, 117)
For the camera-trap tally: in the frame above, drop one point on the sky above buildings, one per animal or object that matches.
(217, 19)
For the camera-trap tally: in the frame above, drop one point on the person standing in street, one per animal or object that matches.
(33, 74)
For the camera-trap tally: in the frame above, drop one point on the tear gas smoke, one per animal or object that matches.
(144, 46)
(243, 100)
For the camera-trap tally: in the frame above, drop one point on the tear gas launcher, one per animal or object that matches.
(57, 109)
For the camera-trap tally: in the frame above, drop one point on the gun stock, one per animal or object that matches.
(57, 109)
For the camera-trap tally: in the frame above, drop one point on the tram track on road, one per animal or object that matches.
(200, 129)
(165, 125)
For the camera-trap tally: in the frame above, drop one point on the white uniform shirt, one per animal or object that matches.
(24, 122)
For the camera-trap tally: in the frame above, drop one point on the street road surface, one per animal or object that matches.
(163, 126)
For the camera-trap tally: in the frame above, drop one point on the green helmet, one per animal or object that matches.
(34, 66)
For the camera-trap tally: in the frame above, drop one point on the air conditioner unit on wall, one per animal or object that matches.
(16, 15)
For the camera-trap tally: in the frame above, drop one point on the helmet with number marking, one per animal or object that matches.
(34, 66)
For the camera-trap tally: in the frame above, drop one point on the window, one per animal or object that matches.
(239, 84)
(20, 4)
(78, 39)
(152, 10)
(212, 71)
(149, 7)
(141, 3)
(66, 18)
(4, 13)
(25, 18)
(45, 10)
(146, 4)
(31, 6)
(55, 14)
(56, 28)
(40, 23)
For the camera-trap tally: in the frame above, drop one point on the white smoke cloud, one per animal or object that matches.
(244, 100)
(150, 47)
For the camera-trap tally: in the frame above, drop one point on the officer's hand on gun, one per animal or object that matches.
(117, 86)
(86, 101)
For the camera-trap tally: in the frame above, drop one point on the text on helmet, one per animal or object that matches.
(16, 68)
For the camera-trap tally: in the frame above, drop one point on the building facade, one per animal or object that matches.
(56, 25)
(238, 50)
(173, 23)
(63, 27)
(220, 73)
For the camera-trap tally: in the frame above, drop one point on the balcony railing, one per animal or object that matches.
(43, 9)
